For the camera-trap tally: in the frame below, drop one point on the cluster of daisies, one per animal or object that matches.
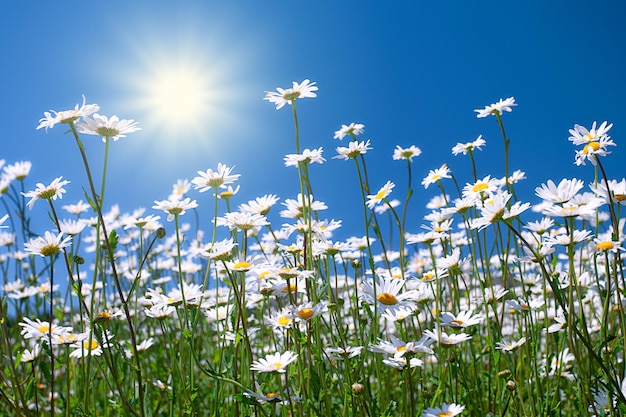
(362, 303)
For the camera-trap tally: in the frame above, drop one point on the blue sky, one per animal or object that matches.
(412, 72)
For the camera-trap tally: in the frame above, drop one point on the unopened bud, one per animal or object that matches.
(505, 373)
(160, 233)
(357, 388)
(511, 385)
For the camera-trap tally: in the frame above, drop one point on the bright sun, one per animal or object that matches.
(178, 96)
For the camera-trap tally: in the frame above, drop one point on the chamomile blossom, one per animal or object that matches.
(67, 116)
(209, 179)
(616, 191)
(276, 362)
(406, 153)
(307, 156)
(107, 128)
(47, 245)
(435, 175)
(280, 97)
(50, 192)
(175, 208)
(381, 195)
(353, 150)
(495, 209)
(260, 205)
(18, 170)
(580, 135)
(353, 129)
(468, 147)
(510, 346)
(497, 108)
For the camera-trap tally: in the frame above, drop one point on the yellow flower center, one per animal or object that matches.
(591, 147)
(604, 246)
(90, 344)
(306, 313)
(387, 299)
(105, 315)
(445, 414)
(43, 328)
(290, 288)
(277, 365)
(619, 197)
(481, 186)
(272, 395)
(458, 322)
(283, 321)
(226, 194)
(380, 195)
(400, 348)
(242, 265)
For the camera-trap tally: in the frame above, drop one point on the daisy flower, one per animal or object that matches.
(51, 192)
(496, 108)
(353, 129)
(481, 188)
(380, 196)
(306, 157)
(242, 221)
(386, 294)
(341, 353)
(406, 153)
(617, 190)
(510, 346)
(29, 356)
(37, 329)
(447, 339)
(47, 245)
(280, 97)
(461, 320)
(465, 148)
(495, 209)
(276, 362)
(175, 207)
(218, 251)
(214, 179)
(607, 245)
(67, 116)
(580, 135)
(112, 128)
(446, 410)
(180, 189)
(17, 171)
(592, 150)
(78, 208)
(260, 205)
(435, 175)
(353, 150)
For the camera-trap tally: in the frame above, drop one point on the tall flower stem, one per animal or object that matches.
(111, 257)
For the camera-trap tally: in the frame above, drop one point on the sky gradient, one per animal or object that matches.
(411, 73)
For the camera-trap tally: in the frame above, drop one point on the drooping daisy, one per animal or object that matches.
(67, 116)
(276, 362)
(175, 208)
(280, 97)
(342, 353)
(51, 192)
(29, 356)
(47, 245)
(107, 128)
(406, 153)
(496, 108)
(353, 129)
(381, 195)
